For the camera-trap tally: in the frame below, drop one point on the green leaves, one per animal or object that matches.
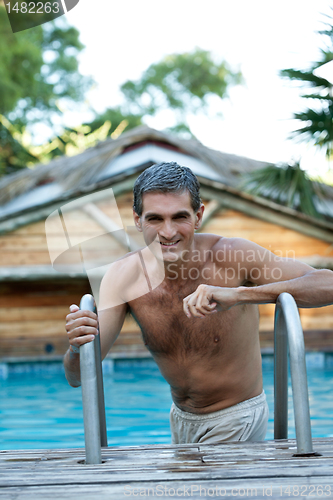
(181, 82)
(318, 128)
(317, 120)
(286, 184)
(37, 68)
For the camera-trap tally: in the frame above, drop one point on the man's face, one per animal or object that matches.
(169, 221)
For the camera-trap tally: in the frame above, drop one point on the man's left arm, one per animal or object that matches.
(272, 275)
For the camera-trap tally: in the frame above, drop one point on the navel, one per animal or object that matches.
(217, 338)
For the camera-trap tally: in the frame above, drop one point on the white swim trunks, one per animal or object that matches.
(245, 421)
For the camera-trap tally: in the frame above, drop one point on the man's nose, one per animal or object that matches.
(167, 231)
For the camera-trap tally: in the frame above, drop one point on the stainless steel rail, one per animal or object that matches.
(92, 393)
(288, 330)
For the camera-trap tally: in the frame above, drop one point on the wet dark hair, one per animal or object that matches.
(166, 178)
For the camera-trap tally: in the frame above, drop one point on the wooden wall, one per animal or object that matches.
(32, 314)
(275, 238)
(32, 321)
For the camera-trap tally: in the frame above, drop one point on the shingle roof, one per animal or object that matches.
(114, 160)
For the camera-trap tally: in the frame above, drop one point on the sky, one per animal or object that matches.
(259, 37)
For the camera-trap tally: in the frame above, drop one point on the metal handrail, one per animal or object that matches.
(92, 393)
(288, 329)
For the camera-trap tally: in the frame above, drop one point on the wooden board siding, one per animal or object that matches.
(28, 246)
(32, 321)
(284, 242)
(32, 313)
(319, 318)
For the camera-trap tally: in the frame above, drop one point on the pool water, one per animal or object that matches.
(42, 411)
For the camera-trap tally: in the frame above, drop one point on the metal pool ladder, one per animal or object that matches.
(287, 329)
(92, 393)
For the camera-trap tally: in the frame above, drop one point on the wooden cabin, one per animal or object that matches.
(36, 288)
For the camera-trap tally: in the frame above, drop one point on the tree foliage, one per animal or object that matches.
(14, 150)
(118, 119)
(183, 83)
(316, 119)
(38, 67)
(286, 184)
(38, 70)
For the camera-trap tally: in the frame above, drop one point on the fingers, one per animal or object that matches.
(198, 303)
(79, 341)
(81, 326)
(81, 335)
(80, 317)
(74, 308)
(194, 306)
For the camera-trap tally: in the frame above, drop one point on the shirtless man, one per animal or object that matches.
(201, 322)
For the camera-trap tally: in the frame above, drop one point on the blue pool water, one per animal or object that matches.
(40, 410)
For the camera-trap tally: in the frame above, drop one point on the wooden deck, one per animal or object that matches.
(236, 470)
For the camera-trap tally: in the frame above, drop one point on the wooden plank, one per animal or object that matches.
(45, 348)
(176, 489)
(316, 311)
(314, 340)
(46, 296)
(33, 228)
(23, 346)
(30, 259)
(31, 329)
(37, 329)
(266, 463)
(268, 234)
(21, 314)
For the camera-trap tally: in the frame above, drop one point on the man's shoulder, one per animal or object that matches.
(221, 249)
(121, 282)
(124, 268)
(216, 243)
(234, 243)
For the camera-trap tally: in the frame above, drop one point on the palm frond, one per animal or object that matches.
(287, 185)
(305, 76)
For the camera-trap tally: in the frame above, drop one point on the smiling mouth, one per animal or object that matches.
(169, 244)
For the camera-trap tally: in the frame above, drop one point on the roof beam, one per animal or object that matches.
(37, 214)
(269, 213)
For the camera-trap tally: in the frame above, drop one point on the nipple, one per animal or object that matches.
(217, 338)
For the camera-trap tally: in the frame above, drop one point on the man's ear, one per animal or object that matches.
(137, 221)
(199, 216)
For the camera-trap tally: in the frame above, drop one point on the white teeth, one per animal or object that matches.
(169, 244)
